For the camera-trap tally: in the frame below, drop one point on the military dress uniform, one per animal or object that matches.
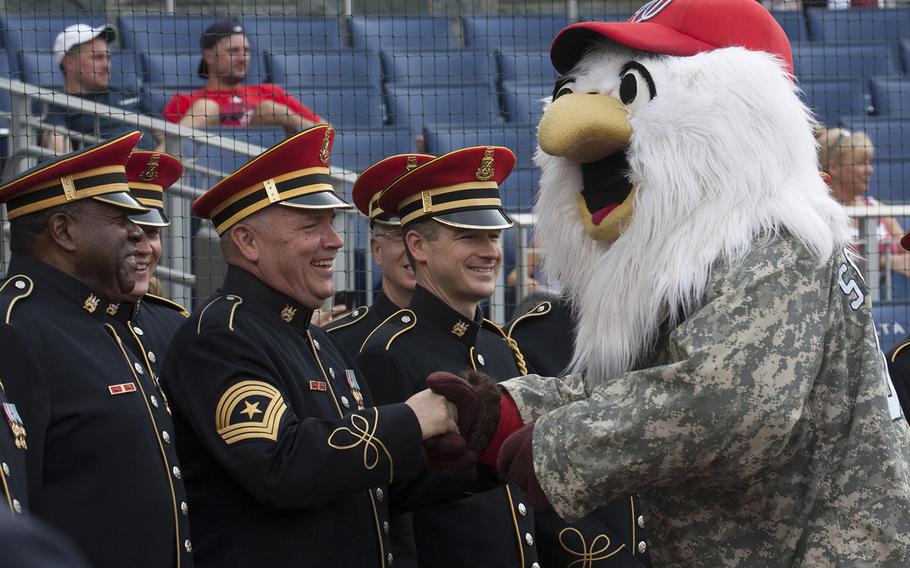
(487, 524)
(613, 535)
(287, 460)
(101, 462)
(352, 329)
(899, 369)
(16, 358)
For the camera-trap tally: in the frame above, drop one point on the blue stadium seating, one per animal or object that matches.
(156, 98)
(892, 322)
(145, 32)
(890, 136)
(519, 67)
(356, 151)
(839, 61)
(890, 181)
(402, 33)
(519, 189)
(526, 32)
(522, 140)
(832, 99)
(418, 106)
(603, 16)
(179, 70)
(891, 96)
(290, 35)
(39, 69)
(325, 69)
(858, 24)
(439, 68)
(359, 108)
(35, 33)
(523, 103)
(793, 23)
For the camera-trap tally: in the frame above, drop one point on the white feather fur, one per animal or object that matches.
(722, 155)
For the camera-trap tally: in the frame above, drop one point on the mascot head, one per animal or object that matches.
(673, 142)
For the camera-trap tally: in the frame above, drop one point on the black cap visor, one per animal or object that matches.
(154, 218)
(122, 200)
(475, 219)
(318, 200)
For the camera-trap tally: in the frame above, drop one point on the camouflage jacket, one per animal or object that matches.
(759, 432)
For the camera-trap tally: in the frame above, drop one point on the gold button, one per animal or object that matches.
(188, 545)
(20, 284)
(529, 539)
(332, 372)
(355, 313)
(154, 401)
(138, 330)
(316, 344)
(480, 360)
(642, 547)
(152, 357)
(379, 493)
(522, 510)
(184, 508)
(6, 469)
(405, 319)
(390, 558)
(176, 471)
(345, 402)
(166, 437)
(535, 565)
(641, 522)
(17, 506)
(385, 527)
(138, 368)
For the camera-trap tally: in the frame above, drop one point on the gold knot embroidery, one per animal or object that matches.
(363, 433)
(288, 313)
(486, 172)
(91, 303)
(150, 173)
(586, 556)
(460, 328)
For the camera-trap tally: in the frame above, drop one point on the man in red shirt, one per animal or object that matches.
(225, 100)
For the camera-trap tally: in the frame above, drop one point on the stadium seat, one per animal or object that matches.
(813, 62)
(155, 33)
(892, 322)
(890, 136)
(793, 23)
(526, 32)
(34, 33)
(180, 70)
(355, 151)
(832, 99)
(402, 33)
(519, 189)
(291, 35)
(359, 108)
(440, 67)
(891, 96)
(603, 16)
(858, 24)
(519, 67)
(39, 69)
(524, 103)
(890, 182)
(415, 107)
(325, 69)
(156, 98)
(522, 140)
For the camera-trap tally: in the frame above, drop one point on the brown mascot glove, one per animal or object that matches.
(516, 464)
(477, 398)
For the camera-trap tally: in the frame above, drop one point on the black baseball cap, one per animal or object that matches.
(212, 34)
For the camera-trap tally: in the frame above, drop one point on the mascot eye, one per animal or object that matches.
(636, 88)
(564, 86)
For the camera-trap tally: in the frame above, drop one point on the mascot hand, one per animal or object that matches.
(449, 452)
(516, 464)
(477, 398)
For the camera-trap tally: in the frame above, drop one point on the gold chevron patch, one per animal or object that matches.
(249, 410)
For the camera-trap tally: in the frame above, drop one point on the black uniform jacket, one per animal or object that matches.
(27, 543)
(17, 364)
(287, 460)
(352, 329)
(160, 318)
(613, 535)
(493, 526)
(899, 369)
(101, 462)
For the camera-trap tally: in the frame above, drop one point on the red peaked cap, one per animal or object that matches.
(293, 173)
(680, 27)
(373, 180)
(148, 175)
(97, 172)
(460, 189)
(905, 241)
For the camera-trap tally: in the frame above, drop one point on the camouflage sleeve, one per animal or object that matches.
(729, 386)
(535, 395)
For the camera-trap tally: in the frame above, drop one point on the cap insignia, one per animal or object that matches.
(411, 163)
(324, 152)
(91, 303)
(288, 313)
(460, 328)
(485, 172)
(427, 200)
(150, 173)
(112, 309)
(649, 10)
(271, 190)
(69, 188)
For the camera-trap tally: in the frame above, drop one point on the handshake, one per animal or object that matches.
(486, 428)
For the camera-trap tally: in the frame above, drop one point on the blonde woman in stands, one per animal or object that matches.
(846, 156)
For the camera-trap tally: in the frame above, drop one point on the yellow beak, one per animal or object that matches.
(584, 127)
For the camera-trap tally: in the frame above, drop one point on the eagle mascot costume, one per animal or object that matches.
(726, 367)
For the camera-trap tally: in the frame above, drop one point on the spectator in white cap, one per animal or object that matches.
(83, 55)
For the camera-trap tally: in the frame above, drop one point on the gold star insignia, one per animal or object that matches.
(250, 409)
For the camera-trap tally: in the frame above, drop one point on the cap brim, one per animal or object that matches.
(318, 200)
(154, 218)
(475, 219)
(121, 200)
(572, 43)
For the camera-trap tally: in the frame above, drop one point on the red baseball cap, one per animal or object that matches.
(293, 173)
(680, 27)
(460, 189)
(373, 180)
(148, 174)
